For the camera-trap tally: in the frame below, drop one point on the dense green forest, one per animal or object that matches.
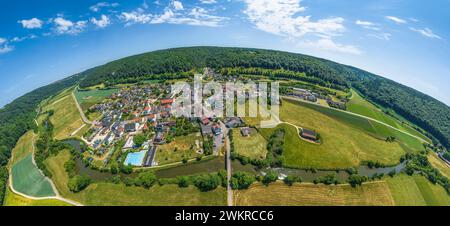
(421, 109)
(17, 118)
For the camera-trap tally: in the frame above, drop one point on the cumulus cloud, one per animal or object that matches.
(426, 32)
(103, 22)
(4, 47)
(368, 25)
(32, 23)
(280, 17)
(178, 5)
(63, 26)
(97, 7)
(134, 17)
(396, 20)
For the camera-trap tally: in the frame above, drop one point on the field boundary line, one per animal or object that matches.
(83, 117)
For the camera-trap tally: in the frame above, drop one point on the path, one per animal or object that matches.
(85, 120)
(362, 116)
(55, 190)
(228, 161)
(76, 131)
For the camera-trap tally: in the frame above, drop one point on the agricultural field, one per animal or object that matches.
(359, 105)
(416, 190)
(342, 145)
(254, 146)
(66, 118)
(23, 147)
(181, 147)
(439, 164)
(276, 194)
(88, 98)
(12, 199)
(118, 194)
(27, 179)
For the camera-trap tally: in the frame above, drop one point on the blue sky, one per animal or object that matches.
(404, 40)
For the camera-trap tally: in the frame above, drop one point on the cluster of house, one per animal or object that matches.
(311, 96)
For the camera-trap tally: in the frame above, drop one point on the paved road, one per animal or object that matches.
(85, 120)
(358, 115)
(228, 161)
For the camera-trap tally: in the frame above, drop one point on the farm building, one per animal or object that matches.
(245, 132)
(309, 134)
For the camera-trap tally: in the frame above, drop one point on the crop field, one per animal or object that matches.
(27, 179)
(181, 147)
(417, 191)
(88, 98)
(23, 147)
(369, 194)
(66, 118)
(253, 146)
(119, 194)
(438, 163)
(342, 145)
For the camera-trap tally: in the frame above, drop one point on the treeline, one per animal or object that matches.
(17, 118)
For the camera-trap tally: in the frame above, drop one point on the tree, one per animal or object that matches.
(242, 180)
(183, 181)
(270, 177)
(207, 182)
(146, 179)
(355, 180)
(78, 183)
(290, 180)
(139, 139)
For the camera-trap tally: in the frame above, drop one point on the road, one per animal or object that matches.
(362, 116)
(83, 117)
(228, 162)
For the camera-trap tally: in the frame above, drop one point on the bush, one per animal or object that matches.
(126, 169)
(269, 178)
(355, 180)
(78, 183)
(242, 180)
(183, 182)
(208, 182)
(290, 180)
(145, 179)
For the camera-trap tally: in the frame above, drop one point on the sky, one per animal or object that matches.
(403, 40)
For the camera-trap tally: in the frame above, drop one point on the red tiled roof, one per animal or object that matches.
(167, 101)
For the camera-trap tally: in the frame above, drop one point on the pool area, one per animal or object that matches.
(135, 158)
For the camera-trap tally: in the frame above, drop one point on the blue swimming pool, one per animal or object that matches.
(135, 158)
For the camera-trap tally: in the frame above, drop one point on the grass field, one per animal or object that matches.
(185, 148)
(27, 179)
(88, 98)
(370, 194)
(438, 163)
(66, 118)
(342, 145)
(416, 191)
(254, 146)
(119, 194)
(12, 199)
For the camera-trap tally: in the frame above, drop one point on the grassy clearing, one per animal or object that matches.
(12, 199)
(342, 145)
(253, 146)
(88, 98)
(438, 163)
(370, 194)
(181, 147)
(119, 194)
(27, 179)
(416, 191)
(66, 118)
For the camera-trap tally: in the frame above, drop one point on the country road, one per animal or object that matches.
(83, 117)
(228, 162)
(358, 115)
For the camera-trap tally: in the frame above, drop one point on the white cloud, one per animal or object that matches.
(20, 39)
(280, 17)
(208, 1)
(97, 7)
(135, 17)
(32, 23)
(63, 26)
(178, 5)
(2, 40)
(396, 19)
(368, 25)
(327, 44)
(382, 36)
(426, 32)
(103, 22)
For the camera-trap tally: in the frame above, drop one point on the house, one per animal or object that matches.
(309, 134)
(206, 130)
(107, 122)
(166, 101)
(233, 122)
(159, 138)
(130, 127)
(129, 144)
(216, 129)
(205, 121)
(245, 131)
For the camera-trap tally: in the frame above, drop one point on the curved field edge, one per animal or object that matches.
(104, 193)
(401, 190)
(12, 199)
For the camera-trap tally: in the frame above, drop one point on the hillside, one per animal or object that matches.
(413, 105)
